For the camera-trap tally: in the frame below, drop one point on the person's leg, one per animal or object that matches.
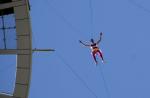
(93, 54)
(101, 55)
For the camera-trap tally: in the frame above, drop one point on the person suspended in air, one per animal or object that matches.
(95, 49)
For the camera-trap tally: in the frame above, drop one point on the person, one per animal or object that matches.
(95, 49)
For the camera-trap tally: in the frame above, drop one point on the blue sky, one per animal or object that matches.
(59, 24)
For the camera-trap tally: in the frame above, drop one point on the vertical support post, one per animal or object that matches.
(24, 60)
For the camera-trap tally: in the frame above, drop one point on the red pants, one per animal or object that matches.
(94, 55)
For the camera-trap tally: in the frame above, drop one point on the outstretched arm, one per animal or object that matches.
(83, 43)
(100, 38)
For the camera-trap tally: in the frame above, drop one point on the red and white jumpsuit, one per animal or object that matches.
(96, 50)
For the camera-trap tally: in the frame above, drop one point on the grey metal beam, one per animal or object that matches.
(22, 51)
(9, 51)
(4, 95)
(12, 4)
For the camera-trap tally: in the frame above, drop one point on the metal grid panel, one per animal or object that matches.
(7, 32)
(7, 73)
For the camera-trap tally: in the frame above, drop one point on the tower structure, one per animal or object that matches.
(18, 41)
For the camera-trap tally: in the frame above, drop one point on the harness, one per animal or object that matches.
(94, 47)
